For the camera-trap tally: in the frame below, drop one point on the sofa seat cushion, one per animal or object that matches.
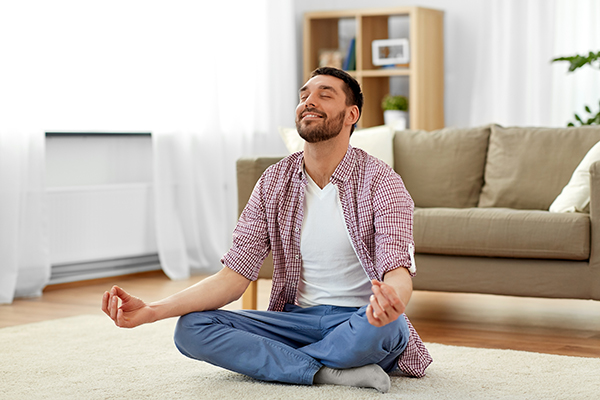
(502, 232)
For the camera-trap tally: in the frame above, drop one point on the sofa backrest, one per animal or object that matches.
(526, 168)
(442, 168)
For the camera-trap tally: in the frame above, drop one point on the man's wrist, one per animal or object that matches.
(158, 311)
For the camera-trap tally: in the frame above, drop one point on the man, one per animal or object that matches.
(339, 224)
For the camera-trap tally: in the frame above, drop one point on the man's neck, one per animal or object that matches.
(322, 158)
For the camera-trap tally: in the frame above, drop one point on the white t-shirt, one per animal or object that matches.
(331, 271)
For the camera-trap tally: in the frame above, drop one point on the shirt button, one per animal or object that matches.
(297, 229)
(297, 256)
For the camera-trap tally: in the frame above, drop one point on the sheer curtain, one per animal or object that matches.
(244, 87)
(516, 83)
(24, 261)
(210, 80)
(577, 32)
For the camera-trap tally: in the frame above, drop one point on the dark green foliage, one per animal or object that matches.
(578, 61)
(594, 119)
(394, 103)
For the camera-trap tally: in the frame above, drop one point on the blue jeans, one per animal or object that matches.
(290, 346)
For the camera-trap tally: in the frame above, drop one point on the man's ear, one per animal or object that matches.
(353, 116)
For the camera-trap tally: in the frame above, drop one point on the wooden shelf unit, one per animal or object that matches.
(425, 72)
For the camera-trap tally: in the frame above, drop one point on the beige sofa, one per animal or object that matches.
(481, 222)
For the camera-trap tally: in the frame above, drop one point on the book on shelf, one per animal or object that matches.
(350, 60)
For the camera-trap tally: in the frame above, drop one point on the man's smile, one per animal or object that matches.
(311, 115)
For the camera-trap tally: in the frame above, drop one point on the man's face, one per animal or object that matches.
(321, 112)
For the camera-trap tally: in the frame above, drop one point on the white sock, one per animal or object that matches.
(372, 376)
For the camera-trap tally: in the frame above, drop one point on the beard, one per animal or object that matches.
(315, 131)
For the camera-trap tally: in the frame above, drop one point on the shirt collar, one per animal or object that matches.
(344, 168)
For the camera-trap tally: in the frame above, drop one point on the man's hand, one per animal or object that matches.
(385, 305)
(132, 312)
(390, 297)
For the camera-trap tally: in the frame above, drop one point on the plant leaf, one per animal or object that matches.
(578, 61)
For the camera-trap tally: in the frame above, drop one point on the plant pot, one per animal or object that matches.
(397, 119)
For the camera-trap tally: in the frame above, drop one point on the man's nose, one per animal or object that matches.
(310, 102)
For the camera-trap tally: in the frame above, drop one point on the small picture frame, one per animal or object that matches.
(390, 52)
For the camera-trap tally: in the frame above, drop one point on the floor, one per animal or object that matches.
(555, 326)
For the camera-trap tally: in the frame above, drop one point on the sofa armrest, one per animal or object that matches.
(595, 230)
(249, 170)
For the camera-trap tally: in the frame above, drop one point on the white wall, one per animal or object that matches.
(462, 26)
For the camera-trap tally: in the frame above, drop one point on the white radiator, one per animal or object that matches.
(103, 230)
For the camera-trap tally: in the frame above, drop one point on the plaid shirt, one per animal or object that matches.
(378, 212)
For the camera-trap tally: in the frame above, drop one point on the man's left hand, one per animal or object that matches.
(385, 305)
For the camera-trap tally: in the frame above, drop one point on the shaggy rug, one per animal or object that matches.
(86, 357)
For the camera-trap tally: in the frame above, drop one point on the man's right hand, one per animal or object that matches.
(132, 312)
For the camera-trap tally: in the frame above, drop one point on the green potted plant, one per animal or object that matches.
(395, 111)
(578, 61)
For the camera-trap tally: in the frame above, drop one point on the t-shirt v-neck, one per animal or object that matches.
(331, 271)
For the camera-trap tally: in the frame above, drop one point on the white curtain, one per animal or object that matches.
(24, 261)
(245, 87)
(210, 80)
(515, 82)
(577, 32)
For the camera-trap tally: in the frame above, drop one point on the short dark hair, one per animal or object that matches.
(354, 96)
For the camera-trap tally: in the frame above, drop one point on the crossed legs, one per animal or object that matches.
(294, 345)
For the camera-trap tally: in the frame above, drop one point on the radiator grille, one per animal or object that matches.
(62, 273)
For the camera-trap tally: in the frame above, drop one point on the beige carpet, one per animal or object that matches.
(87, 357)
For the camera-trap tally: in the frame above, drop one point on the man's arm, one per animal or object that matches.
(209, 294)
(390, 297)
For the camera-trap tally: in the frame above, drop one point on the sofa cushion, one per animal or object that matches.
(575, 197)
(527, 168)
(442, 168)
(502, 232)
